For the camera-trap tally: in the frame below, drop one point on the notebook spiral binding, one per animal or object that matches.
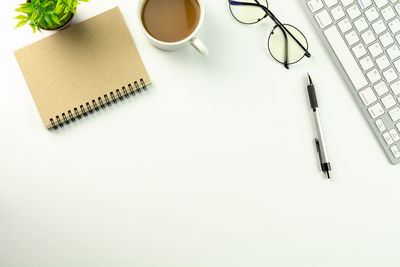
(95, 105)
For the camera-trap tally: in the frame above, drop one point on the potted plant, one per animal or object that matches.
(47, 14)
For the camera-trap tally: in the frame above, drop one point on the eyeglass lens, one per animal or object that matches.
(277, 45)
(248, 14)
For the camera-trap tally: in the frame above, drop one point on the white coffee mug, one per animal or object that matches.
(190, 40)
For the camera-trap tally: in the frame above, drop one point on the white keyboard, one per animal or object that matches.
(363, 38)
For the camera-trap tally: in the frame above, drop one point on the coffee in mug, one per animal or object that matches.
(172, 24)
(170, 20)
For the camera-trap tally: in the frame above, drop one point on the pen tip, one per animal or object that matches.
(309, 81)
(329, 175)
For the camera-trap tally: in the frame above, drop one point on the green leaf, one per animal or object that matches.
(34, 15)
(40, 18)
(24, 9)
(21, 23)
(65, 15)
(48, 21)
(55, 19)
(33, 28)
(58, 5)
(21, 17)
(59, 9)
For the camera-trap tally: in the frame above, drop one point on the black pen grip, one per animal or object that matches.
(312, 96)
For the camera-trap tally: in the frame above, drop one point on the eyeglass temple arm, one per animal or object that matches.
(275, 19)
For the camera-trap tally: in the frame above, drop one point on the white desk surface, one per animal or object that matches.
(214, 166)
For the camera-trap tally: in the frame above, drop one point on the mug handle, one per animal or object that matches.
(199, 46)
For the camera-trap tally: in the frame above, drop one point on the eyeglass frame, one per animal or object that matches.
(284, 30)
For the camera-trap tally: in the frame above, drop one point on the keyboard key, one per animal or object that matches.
(368, 37)
(374, 76)
(397, 65)
(345, 57)
(352, 38)
(393, 52)
(353, 11)
(388, 101)
(381, 3)
(398, 38)
(315, 5)
(346, 2)
(379, 26)
(337, 13)
(359, 50)
(330, 3)
(388, 13)
(383, 62)
(376, 110)
(364, 3)
(386, 39)
(388, 138)
(323, 19)
(394, 26)
(372, 14)
(395, 114)
(368, 96)
(366, 63)
(375, 49)
(395, 136)
(395, 88)
(345, 25)
(396, 152)
(390, 75)
(380, 125)
(398, 126)
(361, 24)
(381, 88)
(397, 7)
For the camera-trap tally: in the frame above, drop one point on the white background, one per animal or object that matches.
(214, 166)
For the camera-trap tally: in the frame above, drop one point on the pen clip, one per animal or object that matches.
(325, 167)
(319, 152)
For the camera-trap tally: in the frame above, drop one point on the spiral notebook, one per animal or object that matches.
(82, 69)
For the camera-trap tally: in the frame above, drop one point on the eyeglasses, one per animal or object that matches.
(286, 43)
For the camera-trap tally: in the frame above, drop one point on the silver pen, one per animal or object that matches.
(319, 141)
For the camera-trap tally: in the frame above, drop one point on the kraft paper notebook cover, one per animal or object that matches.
(82, 69)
